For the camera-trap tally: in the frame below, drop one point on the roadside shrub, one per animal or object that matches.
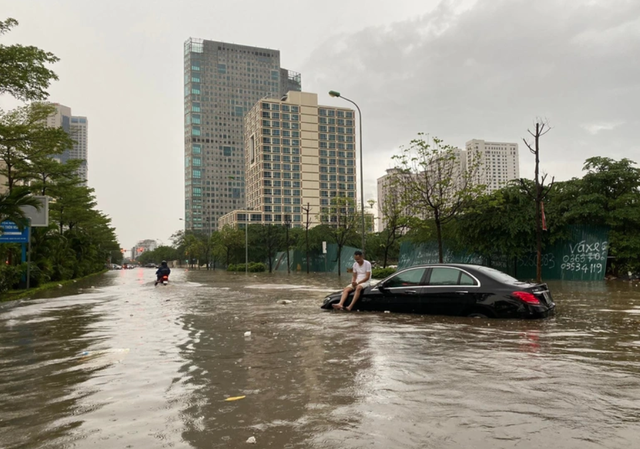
(9, 276)
(256, 267)
(37, 276)
(381, 273)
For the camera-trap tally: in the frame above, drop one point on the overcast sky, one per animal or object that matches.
(458, 70)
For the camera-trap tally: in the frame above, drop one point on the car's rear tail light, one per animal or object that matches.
(527, 297)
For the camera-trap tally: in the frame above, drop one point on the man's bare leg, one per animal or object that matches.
(345, 295)
(356, 296)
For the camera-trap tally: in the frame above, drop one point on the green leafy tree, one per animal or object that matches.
(498, 225)
(23, 69)
(269, 238)
(608, 195)
(435, 184)
(11, 205)
(25, 140)
(231, 243)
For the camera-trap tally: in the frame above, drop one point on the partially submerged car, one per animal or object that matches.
(454, 289)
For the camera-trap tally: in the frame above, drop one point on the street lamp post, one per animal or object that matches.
(334, 93)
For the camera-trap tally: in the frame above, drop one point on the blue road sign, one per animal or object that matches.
(11, 233)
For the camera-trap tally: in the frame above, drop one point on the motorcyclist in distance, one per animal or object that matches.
(163, 270)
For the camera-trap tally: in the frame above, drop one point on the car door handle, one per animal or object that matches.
(462, 292)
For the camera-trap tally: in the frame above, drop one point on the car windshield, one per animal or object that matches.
(498, 275)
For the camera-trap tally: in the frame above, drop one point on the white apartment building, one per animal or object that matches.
(143, 246)
(499, 162)
(298, 155)
(387, 190)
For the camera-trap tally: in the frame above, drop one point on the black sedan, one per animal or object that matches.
(454, 289)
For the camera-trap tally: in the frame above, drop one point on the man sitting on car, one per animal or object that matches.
(359, 281)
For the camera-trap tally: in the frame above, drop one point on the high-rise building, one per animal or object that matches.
(299, 155)
(77, 128)
(499, 162)
(222, 83)
(389, 195)
(61, 119)
(79, 131)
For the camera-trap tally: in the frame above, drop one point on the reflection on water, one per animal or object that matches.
(127, 364)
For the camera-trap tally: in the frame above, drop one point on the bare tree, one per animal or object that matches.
(542, 128)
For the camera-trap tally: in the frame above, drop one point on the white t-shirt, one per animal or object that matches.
(361, 270)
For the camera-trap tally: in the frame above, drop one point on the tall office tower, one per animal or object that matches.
(222, 82)
(299, 155)
(77, 128)
(61, 119)
(79, 131)
(499, 162)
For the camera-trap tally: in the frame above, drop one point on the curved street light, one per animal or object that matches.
(337, 94)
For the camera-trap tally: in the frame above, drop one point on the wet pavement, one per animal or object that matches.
(127, 364)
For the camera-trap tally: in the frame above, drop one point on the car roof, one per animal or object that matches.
(456, 265)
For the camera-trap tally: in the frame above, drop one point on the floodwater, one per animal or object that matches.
(127, 365)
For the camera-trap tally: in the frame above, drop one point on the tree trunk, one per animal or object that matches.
(439, 236)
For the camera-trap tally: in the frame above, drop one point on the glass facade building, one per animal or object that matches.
(222, 82)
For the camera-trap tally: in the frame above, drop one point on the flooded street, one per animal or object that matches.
(126, 364)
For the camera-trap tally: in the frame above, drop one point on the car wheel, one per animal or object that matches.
(477, 315)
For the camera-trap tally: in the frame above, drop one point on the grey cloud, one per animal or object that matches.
(488, 72)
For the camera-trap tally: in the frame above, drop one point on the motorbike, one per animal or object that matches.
(164, 279)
